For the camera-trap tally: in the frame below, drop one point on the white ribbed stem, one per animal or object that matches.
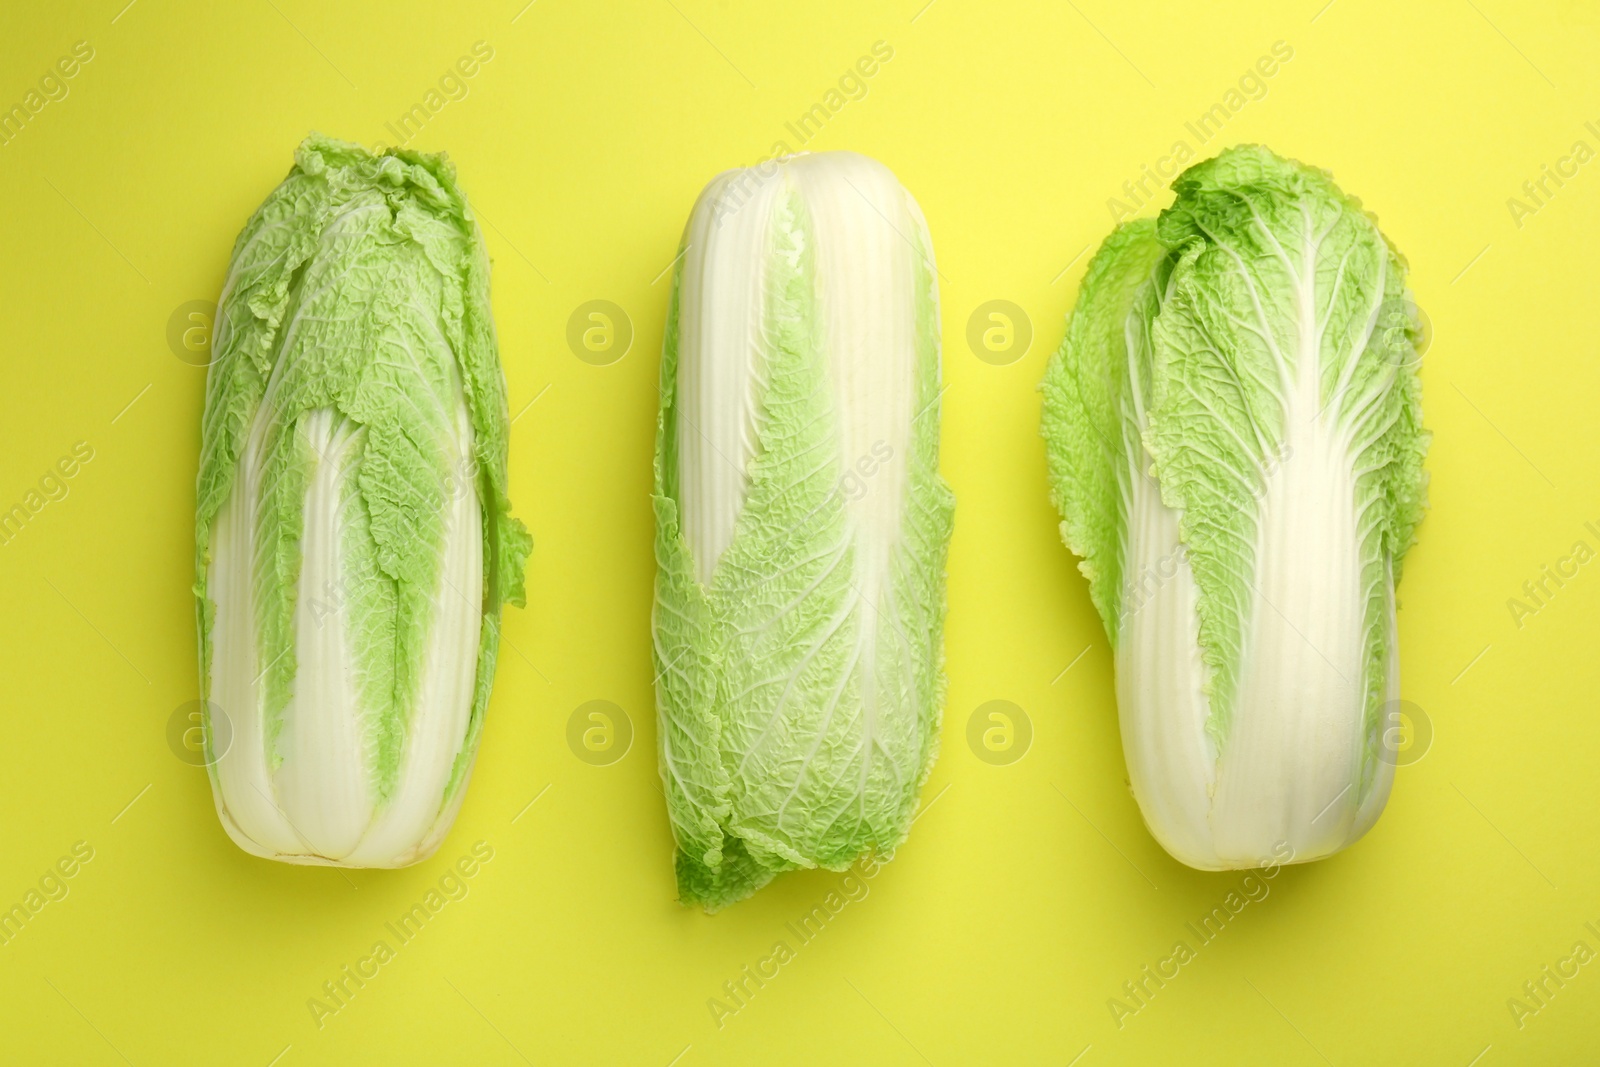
(321, 803)
(863, 224)
(1289, 769)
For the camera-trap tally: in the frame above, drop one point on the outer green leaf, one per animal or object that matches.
(1254, 351)
(1279, 268)
(1097, 391)
(354, 354)
(800, 687)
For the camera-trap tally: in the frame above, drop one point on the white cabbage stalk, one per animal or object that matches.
(1235, 444)
(801, 524)
(353, 542)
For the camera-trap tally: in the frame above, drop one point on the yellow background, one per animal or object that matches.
(1028, 893)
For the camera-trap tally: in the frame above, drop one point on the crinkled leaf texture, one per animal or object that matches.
(353, 542)
(801, 525)
(1233, 428)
